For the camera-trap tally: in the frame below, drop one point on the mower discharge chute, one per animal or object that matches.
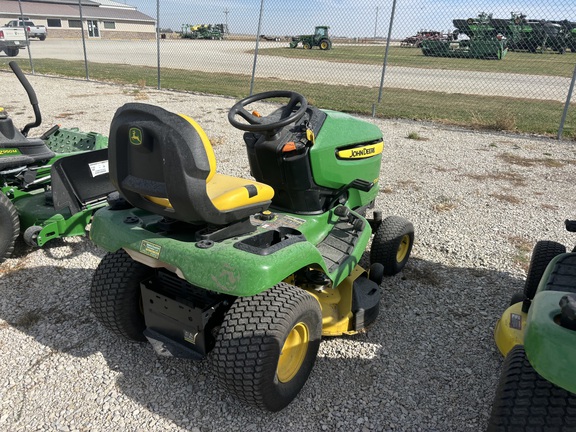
(49, 186)
(252, 272)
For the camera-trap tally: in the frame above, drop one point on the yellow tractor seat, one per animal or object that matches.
(164, 163)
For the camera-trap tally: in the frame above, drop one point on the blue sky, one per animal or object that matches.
(352, 18)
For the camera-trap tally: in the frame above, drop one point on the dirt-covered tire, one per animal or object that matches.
(525, 401)
(267, 346)
(544, 251)
(392, 244)
(9, 227)
(115, 296)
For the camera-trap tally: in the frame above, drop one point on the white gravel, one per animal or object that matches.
(478, 201)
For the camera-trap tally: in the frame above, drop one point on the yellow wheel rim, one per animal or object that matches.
(324, 45)
(293, 352)
(403, 248)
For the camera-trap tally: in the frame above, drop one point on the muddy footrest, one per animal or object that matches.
(562, 276)
(81, 180)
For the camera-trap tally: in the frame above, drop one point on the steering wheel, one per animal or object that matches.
(263, 124)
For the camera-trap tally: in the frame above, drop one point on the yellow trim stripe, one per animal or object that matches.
(207, 146)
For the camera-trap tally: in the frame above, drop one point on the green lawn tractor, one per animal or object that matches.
(49, 186)
(320, 39)
(250, 273)
(537, 335)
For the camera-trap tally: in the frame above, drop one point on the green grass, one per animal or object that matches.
(480, 112)
(515, 62)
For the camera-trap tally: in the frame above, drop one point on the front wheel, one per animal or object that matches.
(392, 244)
(267, 346)
(115, 295)
(307, 45)
(526, 401)
(544, 251)
(9, 227)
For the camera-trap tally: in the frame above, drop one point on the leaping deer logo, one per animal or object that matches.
(135, 136)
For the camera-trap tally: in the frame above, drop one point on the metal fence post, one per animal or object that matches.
(83, 40)
(158, 40)
(256, 49)
(568, 98)
(386, 55)
(27, 38)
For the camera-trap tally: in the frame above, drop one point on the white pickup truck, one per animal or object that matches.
(12, 40)
(34, 31)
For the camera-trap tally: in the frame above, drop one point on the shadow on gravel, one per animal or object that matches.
(427, 363)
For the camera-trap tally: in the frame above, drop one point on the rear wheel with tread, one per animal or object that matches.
(544, 251)
(325, 44)
(525, 401)
(392, 244)
(9, 227)
(267, 346)
(115, 295)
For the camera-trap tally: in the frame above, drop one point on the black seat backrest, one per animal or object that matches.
(155, 156)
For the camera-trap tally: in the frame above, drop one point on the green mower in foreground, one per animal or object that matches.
(49, 186)
(250, 273)
(537, 335)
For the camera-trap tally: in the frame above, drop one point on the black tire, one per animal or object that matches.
(392, 244)
(115, 295)
(525, 401)
(325, 44)
(11, 52)
(9, 227)
(544, 251)
(43, 37)
(30, 235)
(247, 356)
(306, 45)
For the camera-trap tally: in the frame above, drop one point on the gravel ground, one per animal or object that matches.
(478, 201)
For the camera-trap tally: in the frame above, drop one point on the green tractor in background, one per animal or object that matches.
(320, 39)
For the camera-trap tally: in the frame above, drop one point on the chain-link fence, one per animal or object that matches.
(494, 65)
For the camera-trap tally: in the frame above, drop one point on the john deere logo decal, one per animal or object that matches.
(135, 136)
(9, 152)
(362, 152)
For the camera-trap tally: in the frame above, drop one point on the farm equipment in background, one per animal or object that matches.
(533, 35)
(49, 186)
(203, 31)
(483, 40)
(416, 40)
(320, 38)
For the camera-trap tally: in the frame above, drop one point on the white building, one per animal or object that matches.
(104, 19)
